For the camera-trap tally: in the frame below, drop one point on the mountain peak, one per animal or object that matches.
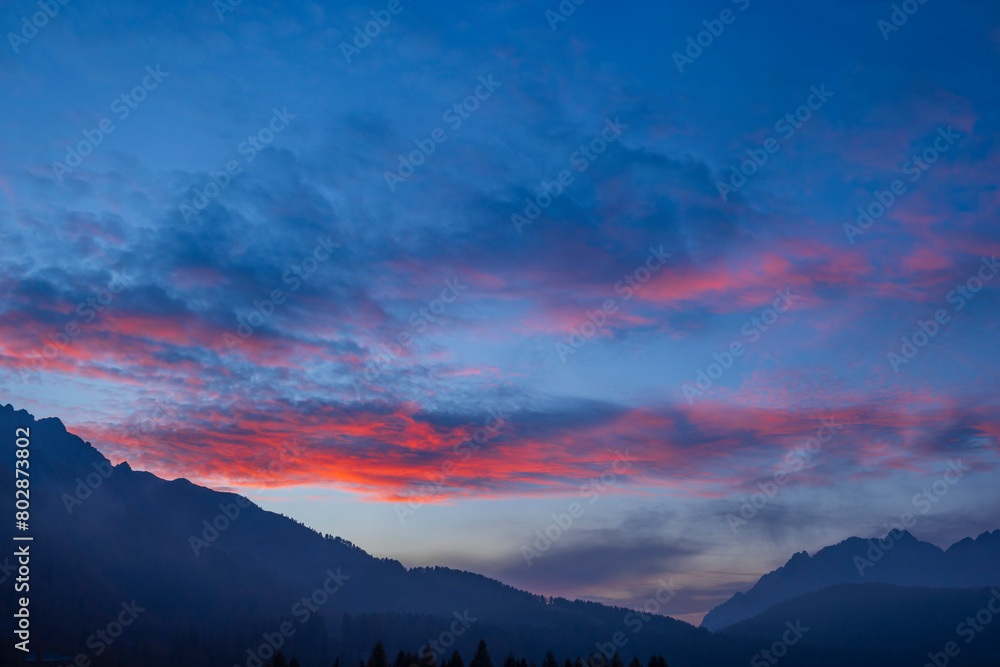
(798, 557)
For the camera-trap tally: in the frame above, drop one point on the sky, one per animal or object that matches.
(579, 296)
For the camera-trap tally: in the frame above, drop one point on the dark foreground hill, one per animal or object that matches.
(913, 621)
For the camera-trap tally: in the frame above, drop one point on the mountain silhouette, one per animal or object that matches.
(899, 559)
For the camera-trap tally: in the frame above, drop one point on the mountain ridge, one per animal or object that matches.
(899, 559)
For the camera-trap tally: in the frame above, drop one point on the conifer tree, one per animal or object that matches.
(378, 657)
(428, 658)
(482, 656)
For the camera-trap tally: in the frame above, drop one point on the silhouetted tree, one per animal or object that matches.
(293, 663)
(616, 660)
(456, 660)
(510, 661)
(635, 662)
(278, 660)
(550, 660)
(481, 657)
(378, 657)
(428, 659)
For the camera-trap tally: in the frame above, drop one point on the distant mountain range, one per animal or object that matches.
(210, 577)
(899, 559)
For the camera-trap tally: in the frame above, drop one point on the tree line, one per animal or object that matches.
(481, 658)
